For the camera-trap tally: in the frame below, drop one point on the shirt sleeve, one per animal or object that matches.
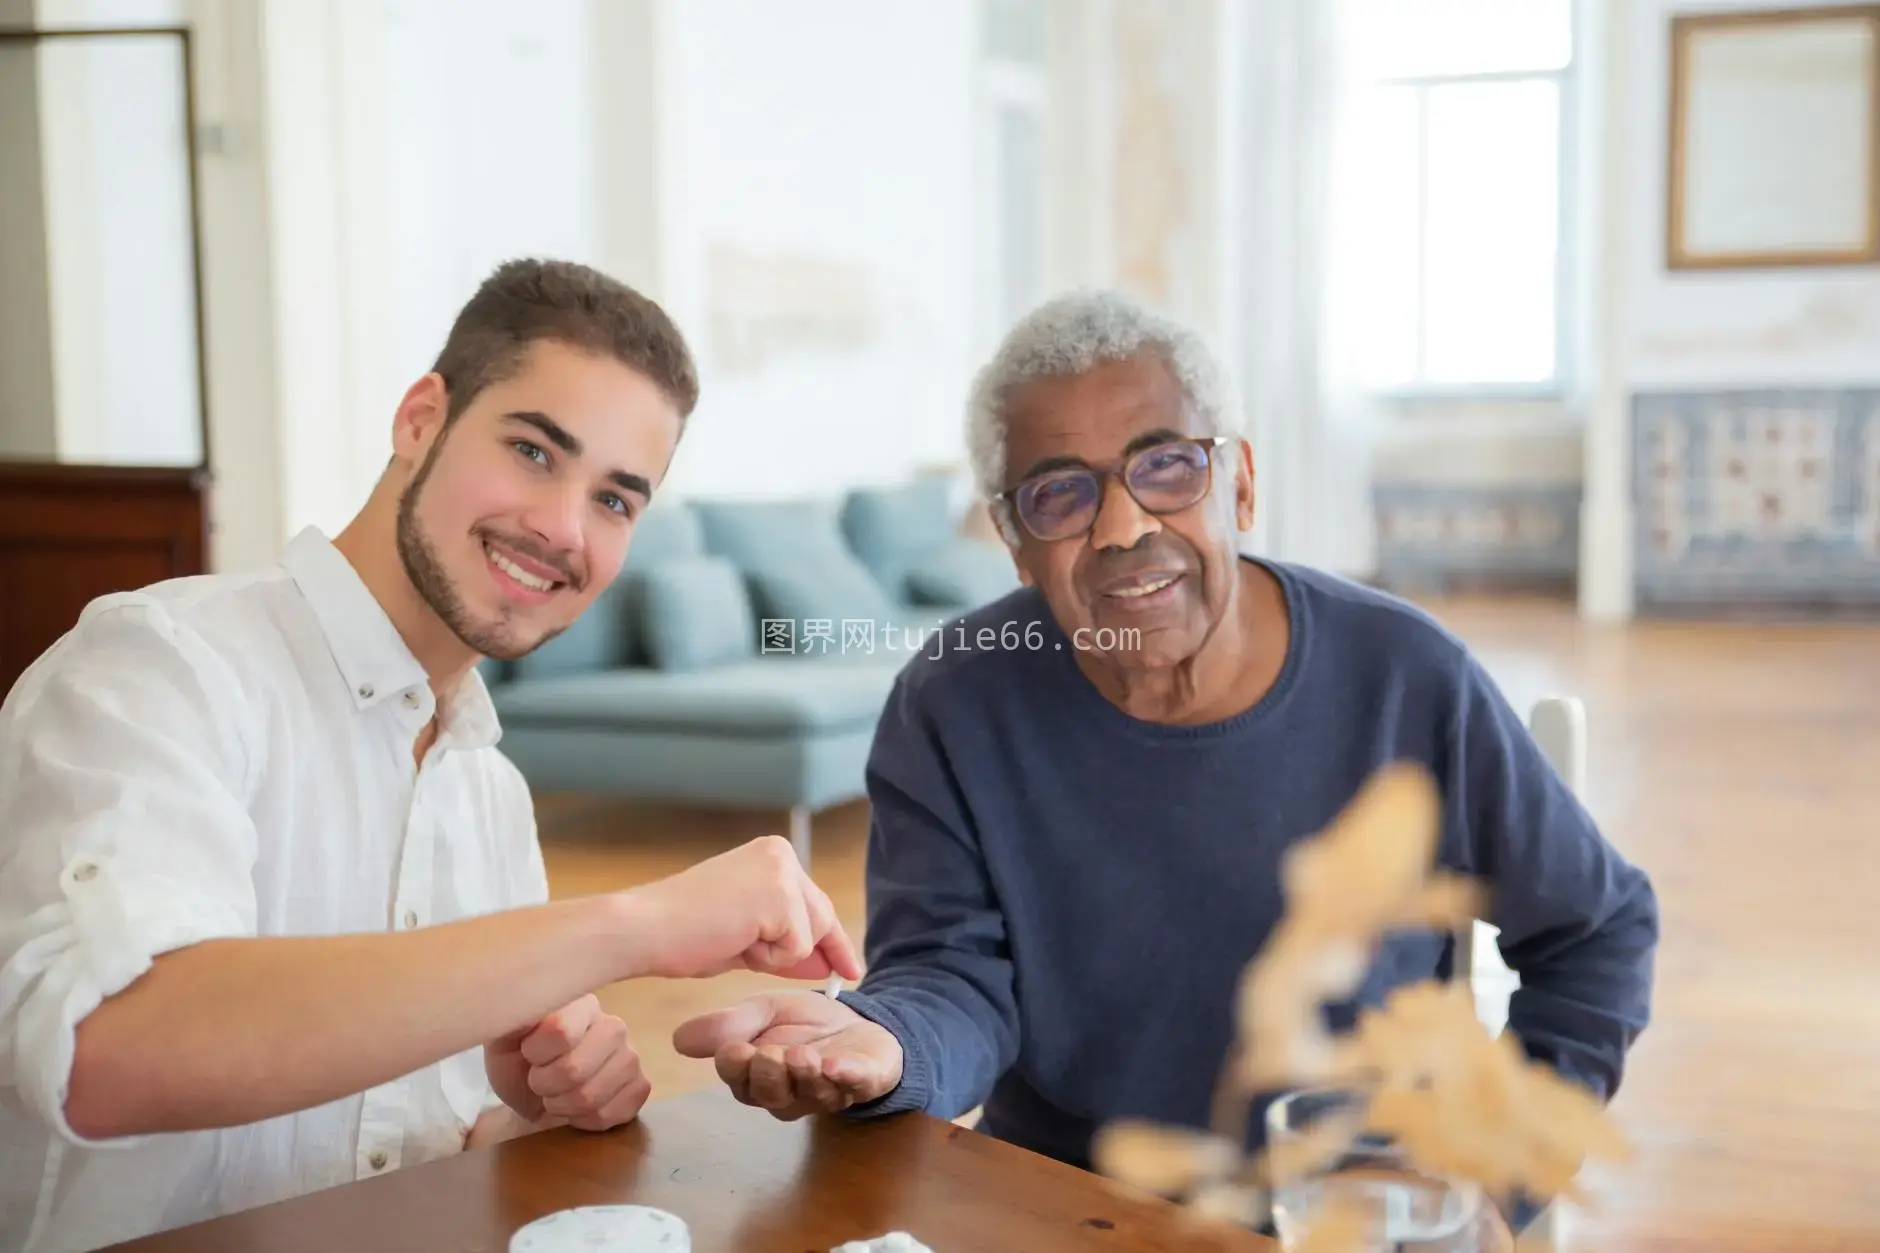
(939, 969)
(123, 829)
(529, 884)
(1578, 921)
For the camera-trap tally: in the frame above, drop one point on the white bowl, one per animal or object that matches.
(604, 1229)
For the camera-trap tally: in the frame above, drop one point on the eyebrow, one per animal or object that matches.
(562, 438)
(1148, 439)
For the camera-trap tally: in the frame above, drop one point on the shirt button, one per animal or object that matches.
(365, 691)
(411, 918)
(85, 871)
(411, 700)
(378, 1159)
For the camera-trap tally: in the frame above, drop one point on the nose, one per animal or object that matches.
(1120, 522)
(555, 517)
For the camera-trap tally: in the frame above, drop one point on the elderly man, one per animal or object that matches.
(1076, 837)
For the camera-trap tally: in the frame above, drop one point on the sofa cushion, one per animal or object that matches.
(756, 534)
(832, 591)
(694, 612)
(792, 553)
(892, 528)
(598, 640)
(965, 572)
(760, 697)
(666, 531)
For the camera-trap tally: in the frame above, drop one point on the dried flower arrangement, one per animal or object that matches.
(1458, 1103)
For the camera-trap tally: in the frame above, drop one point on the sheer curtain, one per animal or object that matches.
(1300, 288)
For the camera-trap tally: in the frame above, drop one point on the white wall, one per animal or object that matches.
(487, 151)
(809, 224)
(796, 188)
(820, 237)
(411, 146)
(1725, 328)
(362, 164)
(1662, 329)
(1640, 326)
(247, 520)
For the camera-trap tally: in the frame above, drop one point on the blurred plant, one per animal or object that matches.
(1457, 1103)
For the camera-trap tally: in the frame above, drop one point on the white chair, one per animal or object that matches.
(1558, 724)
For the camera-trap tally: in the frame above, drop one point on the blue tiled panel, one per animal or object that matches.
(1756, 497)
(1484, 533)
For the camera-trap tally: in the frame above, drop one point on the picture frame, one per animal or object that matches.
(1774, 143)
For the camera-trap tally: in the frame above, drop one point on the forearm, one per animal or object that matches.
(1583, 1001)
(957, 1035)
(1578, 921)
(939, 957)
(229, 1032)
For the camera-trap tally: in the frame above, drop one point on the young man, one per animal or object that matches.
(272, 912)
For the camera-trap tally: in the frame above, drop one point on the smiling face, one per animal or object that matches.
(1153, 584)
(519, 511)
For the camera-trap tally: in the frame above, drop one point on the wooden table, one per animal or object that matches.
(742, 1181)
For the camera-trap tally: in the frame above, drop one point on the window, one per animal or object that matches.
(1461, 143)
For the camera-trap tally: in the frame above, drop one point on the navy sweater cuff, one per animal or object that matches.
(915, 1091)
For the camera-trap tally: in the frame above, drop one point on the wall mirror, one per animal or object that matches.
(1775, 138)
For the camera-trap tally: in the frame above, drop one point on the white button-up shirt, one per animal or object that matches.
(226, 756)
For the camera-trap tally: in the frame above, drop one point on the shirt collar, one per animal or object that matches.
(371, 655)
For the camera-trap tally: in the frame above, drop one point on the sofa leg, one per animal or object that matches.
(799, 833)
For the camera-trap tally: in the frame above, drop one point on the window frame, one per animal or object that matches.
(1566, 81)
(1004, 83)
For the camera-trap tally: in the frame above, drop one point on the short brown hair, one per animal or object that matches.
(528, 300)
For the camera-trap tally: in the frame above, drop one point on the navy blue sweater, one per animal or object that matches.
(1061, 898)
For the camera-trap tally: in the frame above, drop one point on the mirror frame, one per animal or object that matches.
(1678, 254)
(33, 36)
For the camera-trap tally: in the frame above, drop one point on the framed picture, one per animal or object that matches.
(1775, 138)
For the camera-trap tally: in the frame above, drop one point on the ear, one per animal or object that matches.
(1243, 485)
(419, 419)
(1019, 563)
(1007, 528)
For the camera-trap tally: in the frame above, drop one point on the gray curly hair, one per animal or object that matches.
(1073, 333)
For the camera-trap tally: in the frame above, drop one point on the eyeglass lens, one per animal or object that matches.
(1165, 478)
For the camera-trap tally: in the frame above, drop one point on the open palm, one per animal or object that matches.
(796, 1053)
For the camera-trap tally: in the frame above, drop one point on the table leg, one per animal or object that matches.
(799, 833)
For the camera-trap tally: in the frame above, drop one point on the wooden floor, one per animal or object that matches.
(1738, 764)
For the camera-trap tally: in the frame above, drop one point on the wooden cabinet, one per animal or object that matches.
(72, 533)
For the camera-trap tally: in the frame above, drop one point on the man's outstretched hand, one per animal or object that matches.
(795, 1053)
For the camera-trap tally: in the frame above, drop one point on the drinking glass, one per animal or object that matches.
(1405, 1210)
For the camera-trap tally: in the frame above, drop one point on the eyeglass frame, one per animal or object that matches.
(1007, 504)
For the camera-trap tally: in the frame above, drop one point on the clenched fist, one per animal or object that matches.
(753, 908)
(575, 1066)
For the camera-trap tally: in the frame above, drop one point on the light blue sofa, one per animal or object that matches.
(671, 687)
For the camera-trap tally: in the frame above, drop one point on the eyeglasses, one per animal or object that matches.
(1162, 478)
